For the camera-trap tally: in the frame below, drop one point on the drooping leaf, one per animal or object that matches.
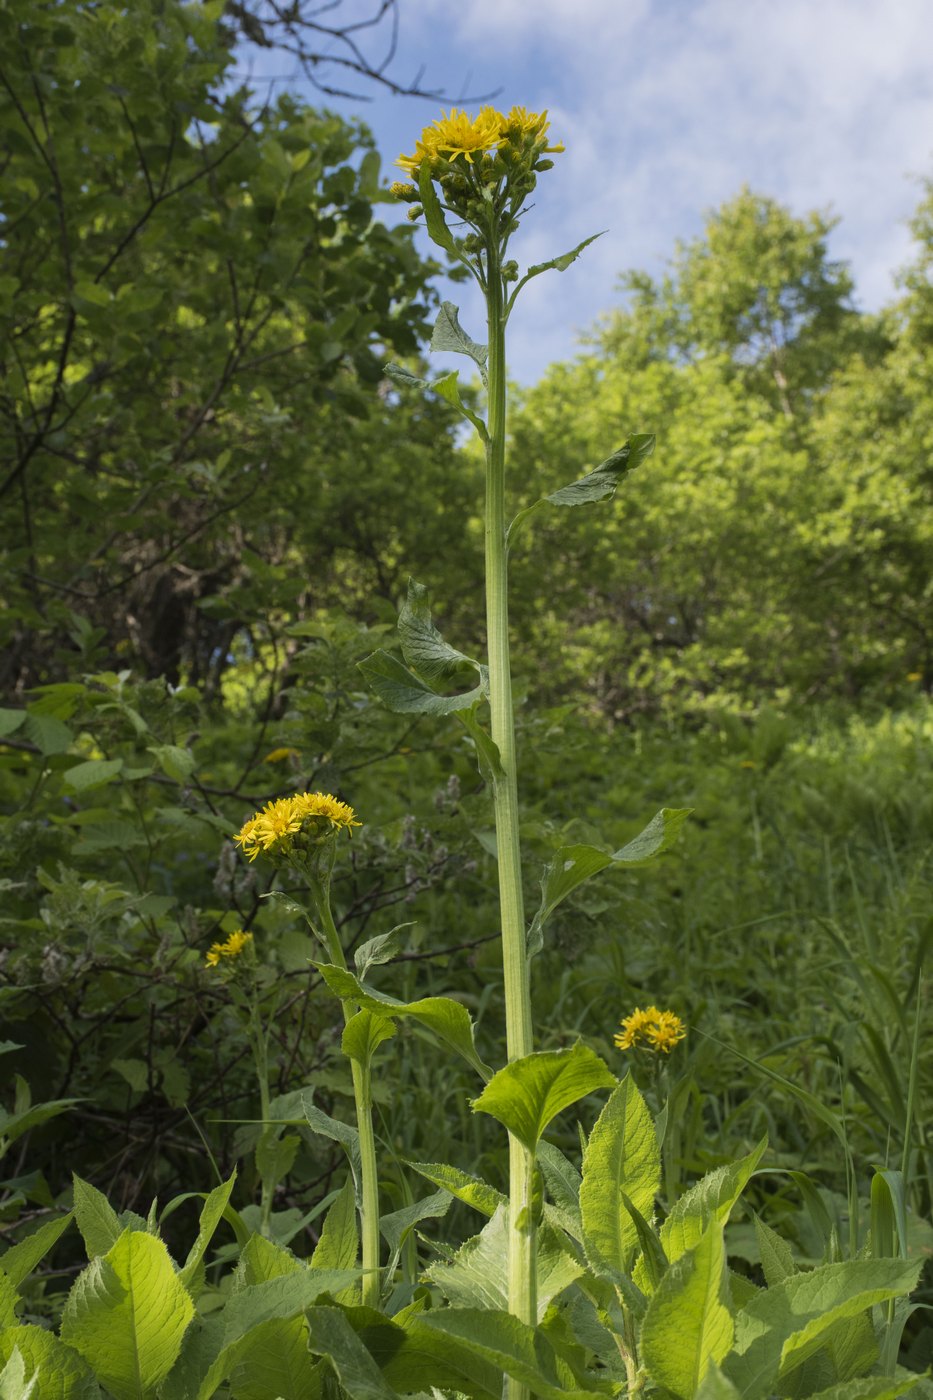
(344, 1133)
(448, 386)
(572, 865)
(467, 1188)
(526, 1094)
(688, 1326)
(448, 1019)
(710, 1199)
(403, 693)
(621, 1155)
(597, 485)
(127, 1314)
(448, 334)
(423, 647)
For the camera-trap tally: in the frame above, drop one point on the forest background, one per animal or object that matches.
(211, 500)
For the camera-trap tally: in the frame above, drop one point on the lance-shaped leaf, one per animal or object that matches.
(20, 1259)
(214, 1207)
(574, 864)
(330, 1335)
(321, 1123)
(448, 334)
(448, 1019)
(559, 264)
(434, 214)
(710, 1199)
(526, 1094)
(621, 1155)
(688, 1326)
(597, 485)
(127, 1314)
(469, 1189)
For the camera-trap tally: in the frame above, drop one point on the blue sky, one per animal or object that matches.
(667, 107)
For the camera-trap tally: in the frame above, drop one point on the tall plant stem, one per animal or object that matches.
(259, 1038)
(519, 1039)
(362, 1095)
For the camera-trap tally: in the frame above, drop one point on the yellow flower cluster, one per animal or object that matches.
(232, 947)
(458, 134)
(658, 1030)
(274, 829)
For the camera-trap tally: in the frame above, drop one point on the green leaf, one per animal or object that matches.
(872, 1388)
(176, 763)
(92, 774)
(338, 1246)
(716, 1386)
(653, 1259)
(520, 1351)
(783, 1326)
(275, 1156)
(363, 1034)
(397, 1225)
(777, 1260)
(563, 1183)
(272, 1360)
(423, 647)
(330, 1335)
(21, 1258)
(9, 1301)
(621, 1155)
(448, 386)
(710, 1199)
(469, 1189)
(433, 214)
(90, 294)
(127, 1314)
(559, 264)
(526, 1094)
(13, 1382)
(888, 1215)
(96, 1218)
(477, 1275)
(598, 485)
(403, 693)
(50, 735)
(60, 1373)
(448, 334)
(574, 864)
(10, 721)
(381, 949)
(688, 1326)
(135, 1072)
(282, 1297)
(348, 1136)
(448, 1019)
(211, 1215)
(403, 377)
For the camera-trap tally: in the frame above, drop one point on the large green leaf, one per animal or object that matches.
(621, 1155)
(710, 1199)
(782, 1326)
(520, 1351)
(448, 1019)
(59, 1372)
(872, 1388)
(716, 1386)
(272, 1360)
(363, 1034)
(21, 1258)
(338, 1246)
(688, 1326)
(127, 1314)
(597, 485)
(572, 865)
(526, 1094)
(330, 1335)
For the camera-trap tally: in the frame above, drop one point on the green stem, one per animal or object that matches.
(259, 1038)
(519, 1039)
(362, 1095)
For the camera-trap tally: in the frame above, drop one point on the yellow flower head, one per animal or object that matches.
(232, 947)
(658, 1030)
(315, 815)
(456, 133)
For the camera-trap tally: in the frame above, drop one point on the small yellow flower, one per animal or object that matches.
(277, 755)
(915, 676)
(521, 122)
(658, 1030)
(274, 829)
(232, 947)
